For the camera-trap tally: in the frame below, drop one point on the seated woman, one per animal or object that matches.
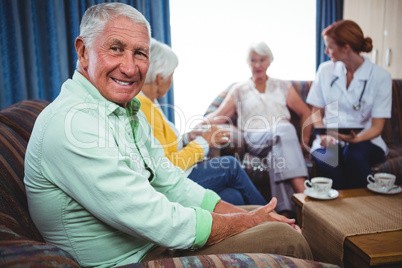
(261, 103)
(349, 91)
(224, 175)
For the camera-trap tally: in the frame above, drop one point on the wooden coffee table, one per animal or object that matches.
(369, 250)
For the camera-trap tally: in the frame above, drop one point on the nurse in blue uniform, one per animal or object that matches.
(349, 91)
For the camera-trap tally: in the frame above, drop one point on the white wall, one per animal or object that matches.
(211, 38)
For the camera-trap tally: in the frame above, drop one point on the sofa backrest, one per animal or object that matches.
(392, 133)
(16, 123)
(21, 244)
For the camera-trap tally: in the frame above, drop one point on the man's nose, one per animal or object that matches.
(128, 65)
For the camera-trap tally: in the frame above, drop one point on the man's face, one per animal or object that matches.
(118, 61)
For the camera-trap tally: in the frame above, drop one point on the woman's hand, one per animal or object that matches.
(352, 137)
(377, 126)
(216, 136)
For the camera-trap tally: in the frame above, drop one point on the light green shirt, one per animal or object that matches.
(89, 185)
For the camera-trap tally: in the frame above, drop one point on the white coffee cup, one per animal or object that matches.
(319, 185)
(382, 181)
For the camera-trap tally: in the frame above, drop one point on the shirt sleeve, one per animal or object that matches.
(315, 96)
(187, 157)
(203, 143)
(199, 139)
(383, 99)
(204, 219)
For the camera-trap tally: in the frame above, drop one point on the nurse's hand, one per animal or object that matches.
(327, 141)
(351, 138)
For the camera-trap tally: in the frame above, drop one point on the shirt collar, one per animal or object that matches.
(253, 86)
(362, 73)
(92, 94)
(339, 69)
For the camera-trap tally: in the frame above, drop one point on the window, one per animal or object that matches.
(211, 38)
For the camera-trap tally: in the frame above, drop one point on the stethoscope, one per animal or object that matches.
(357, 105)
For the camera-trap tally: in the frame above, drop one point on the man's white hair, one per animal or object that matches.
(96, 18)
(162, 60)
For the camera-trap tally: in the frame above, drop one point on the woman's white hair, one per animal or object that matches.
(162, 60)
(262, 49)
(96, 18)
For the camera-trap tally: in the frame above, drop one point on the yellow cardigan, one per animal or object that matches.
(185, 158)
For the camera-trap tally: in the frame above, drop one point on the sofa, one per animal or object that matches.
(21, 244)
(258, 170)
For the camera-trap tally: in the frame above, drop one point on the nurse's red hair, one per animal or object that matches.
(349, 32)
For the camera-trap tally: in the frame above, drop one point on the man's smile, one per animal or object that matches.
(122, 82)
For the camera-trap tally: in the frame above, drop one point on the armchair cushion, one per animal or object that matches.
(232, 260)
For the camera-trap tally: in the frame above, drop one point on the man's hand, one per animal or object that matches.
(267, 213)
(227, 225)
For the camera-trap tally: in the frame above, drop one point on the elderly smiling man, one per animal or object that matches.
(97, 181)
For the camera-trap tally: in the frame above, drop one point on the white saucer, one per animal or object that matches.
(372, 187)
(332, 194)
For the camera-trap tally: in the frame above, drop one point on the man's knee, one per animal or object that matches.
(288, 241)
(276, 238)
(270, 237)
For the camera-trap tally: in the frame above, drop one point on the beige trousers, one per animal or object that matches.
(270, 237)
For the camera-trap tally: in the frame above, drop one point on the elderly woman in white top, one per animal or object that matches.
(349, 92)
(261, 103)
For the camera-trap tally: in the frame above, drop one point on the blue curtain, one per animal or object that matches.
(328, 11)
(37, 44)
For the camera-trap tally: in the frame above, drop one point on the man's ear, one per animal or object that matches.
(82, 52)
(159, 79)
